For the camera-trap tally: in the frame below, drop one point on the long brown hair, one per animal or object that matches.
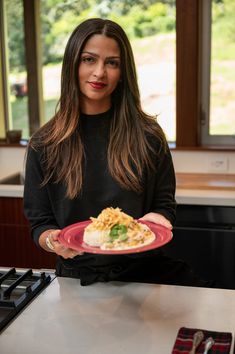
(129, 147)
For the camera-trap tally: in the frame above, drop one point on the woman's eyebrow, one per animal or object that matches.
(91, 53)
(96, 55)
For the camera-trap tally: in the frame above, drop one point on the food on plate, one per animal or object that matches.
(115, 230)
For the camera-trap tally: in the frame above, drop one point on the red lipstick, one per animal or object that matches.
(97, 85)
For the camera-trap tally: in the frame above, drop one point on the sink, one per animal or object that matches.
(15, 179)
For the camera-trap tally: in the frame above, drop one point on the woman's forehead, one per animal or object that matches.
(99, 43)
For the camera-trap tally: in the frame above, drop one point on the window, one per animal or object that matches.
(15, 81)
(218, 73)
(21, 92)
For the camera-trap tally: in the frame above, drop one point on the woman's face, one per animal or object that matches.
(98, 73)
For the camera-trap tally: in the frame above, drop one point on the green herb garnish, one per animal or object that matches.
(118, 231)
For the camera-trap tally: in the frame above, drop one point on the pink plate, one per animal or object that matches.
(72, 237)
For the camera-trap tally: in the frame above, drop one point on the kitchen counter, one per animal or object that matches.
(206, 181)
(205, 189)
(191, 188)
(115, 318)
(205, 197)
(14, 191)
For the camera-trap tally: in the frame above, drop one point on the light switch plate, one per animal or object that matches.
(218, 163)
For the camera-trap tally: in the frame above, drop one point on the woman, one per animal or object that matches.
(101, 150)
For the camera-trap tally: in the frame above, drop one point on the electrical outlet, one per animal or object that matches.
(218, 163)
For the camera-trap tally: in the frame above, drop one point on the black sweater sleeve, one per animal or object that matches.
(163, 200)
(37, 206)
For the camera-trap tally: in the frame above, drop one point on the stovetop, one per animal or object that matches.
(17, 288)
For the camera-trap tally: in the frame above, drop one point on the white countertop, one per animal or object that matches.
(183, 196)
(115, 318)
(10, 190)
(205, 197)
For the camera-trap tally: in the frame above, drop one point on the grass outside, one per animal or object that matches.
(19, 109)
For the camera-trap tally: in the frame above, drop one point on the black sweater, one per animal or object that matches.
(48, 207)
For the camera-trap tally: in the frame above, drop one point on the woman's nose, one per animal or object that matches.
(99, 70)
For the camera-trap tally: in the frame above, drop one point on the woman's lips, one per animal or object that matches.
(97, 85)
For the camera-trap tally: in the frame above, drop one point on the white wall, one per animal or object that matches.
(11, 160)
(204, 162)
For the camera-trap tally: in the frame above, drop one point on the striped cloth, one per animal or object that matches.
(184, 340)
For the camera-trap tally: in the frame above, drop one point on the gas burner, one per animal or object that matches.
(17, 288)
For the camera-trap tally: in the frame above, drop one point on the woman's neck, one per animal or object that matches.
(92, 108)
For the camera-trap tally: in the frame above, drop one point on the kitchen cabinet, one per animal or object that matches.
(204, 236)
(16, 245)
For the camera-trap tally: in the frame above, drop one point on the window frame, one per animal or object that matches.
(205, 82)
(187, 19)
(4, 93)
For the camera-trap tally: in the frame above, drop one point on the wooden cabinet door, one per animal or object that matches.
(17, 248)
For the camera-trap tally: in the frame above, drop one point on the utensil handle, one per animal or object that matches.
(208, 344)
(197, 338)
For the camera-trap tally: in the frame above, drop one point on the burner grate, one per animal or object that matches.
(17, 289)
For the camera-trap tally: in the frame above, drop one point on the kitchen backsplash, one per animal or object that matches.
(204, 162)
(11, 160)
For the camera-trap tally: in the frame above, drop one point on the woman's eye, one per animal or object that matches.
(87, 60)
(113, 63)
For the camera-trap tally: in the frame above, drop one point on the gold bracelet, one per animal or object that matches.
(48, 243)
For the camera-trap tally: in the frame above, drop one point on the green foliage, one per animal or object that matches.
(19, 109)
(141, 22)
(58, 20)
(223, 30)
(157, 18)
(15, 34)
(139, 18)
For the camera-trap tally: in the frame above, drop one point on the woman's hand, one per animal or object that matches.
(157, 219)
(49, 241)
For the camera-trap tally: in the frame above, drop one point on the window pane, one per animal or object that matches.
(150, 26)
(222, 100)
(155, 59)
(52, 49)
(16, 62)
(154, 50)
